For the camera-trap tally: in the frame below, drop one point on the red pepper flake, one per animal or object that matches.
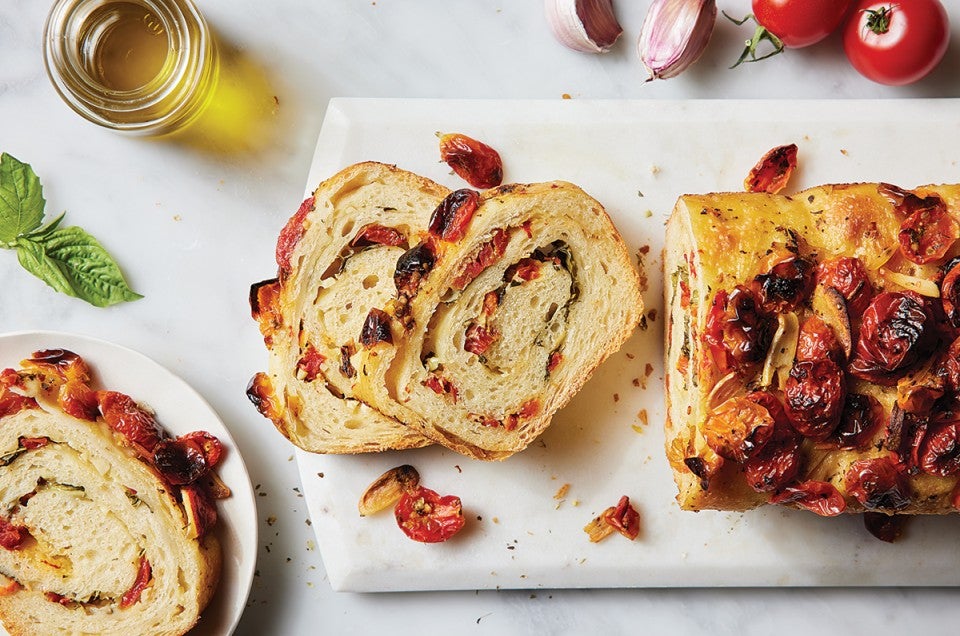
(132, 595)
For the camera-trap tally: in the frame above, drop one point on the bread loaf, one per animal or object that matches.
(336, 259)
(506, 305)
(811, 349)
(404, 313)
(94, 537)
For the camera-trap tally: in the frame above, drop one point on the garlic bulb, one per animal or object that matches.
(588, 26)
(674, 34)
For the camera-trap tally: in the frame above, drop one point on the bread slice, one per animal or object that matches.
(717, 242)
(336, 260)
(94, 539)
(506, 322)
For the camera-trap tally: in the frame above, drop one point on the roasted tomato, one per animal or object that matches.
(929, 232)
(895, 331)
(376, 328)
(144, 574)
(474, 161)
(939, 452)
(878, 484)
(862, 418)
(950, 291)
(12, 537)
(818, 341)
(819, 497)
(625, 518)
(738, 331)
(487, 254)
(425, 516)
(412, 266)
(814, 397)
(290, 235)
(125, 416)
(737, 428)
(786, 285)
(777, 463)
(187, 458)
(773, 171)
(884, 526)
(849, 277)
(452, 217)
(376, 234)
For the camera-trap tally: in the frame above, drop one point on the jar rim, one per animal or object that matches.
(140, 109)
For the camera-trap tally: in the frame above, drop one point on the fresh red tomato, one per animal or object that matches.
(896, 42)
(800, 23)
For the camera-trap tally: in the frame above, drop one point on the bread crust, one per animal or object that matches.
(107, 545)
(718, 241)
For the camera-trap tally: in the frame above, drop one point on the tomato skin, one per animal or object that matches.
(907, 50)
(425, 516)
(800, 23)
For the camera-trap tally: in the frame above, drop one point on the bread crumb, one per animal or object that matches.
(311, 546)
(271, 520)
(562, 491)
(177, 217)
(616, 397)
(496, 519)
(643, 417)
(654, 169)
(566, 96)
(843, 151)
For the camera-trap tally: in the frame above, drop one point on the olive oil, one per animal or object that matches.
(125, 45)
(143, 66)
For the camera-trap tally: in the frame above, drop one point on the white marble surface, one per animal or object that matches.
(193, 224)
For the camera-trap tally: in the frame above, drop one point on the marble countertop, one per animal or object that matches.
(193, 220)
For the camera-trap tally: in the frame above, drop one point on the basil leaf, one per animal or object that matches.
(21, 198)
(46, 229)
(73, 262)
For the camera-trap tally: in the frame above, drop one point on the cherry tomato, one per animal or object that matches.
(814, 396)
(849, 277)
(819, 497)
(474, 161)
(773, 171)
(625, 518)
(896, 43)
(786, 285)
(425, 516)
(738, 331)
(878, 484)
(893, 336)
(929, 232)
(800, 23)
(817, 340)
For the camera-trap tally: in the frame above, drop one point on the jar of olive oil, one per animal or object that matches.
(138, 66)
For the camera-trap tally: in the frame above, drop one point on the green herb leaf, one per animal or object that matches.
(46, 229)
(21, 198)
(73, 262)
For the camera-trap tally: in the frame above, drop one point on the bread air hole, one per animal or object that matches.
(352, 424)
(370, 281)
(347, 228)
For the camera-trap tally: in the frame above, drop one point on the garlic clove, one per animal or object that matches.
(674, 35)
(588, 26)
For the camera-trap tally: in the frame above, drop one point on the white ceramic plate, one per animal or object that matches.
(179, 410)
(636, 158)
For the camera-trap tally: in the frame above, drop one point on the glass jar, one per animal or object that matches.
(137, 66)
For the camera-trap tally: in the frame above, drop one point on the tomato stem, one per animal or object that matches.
(878, 20)
(760, 34)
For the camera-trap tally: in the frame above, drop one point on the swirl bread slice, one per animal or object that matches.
(95, 538)
(336, 259)
(503, 310)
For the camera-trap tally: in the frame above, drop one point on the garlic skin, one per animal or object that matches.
(674, 35)
(588, 26)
